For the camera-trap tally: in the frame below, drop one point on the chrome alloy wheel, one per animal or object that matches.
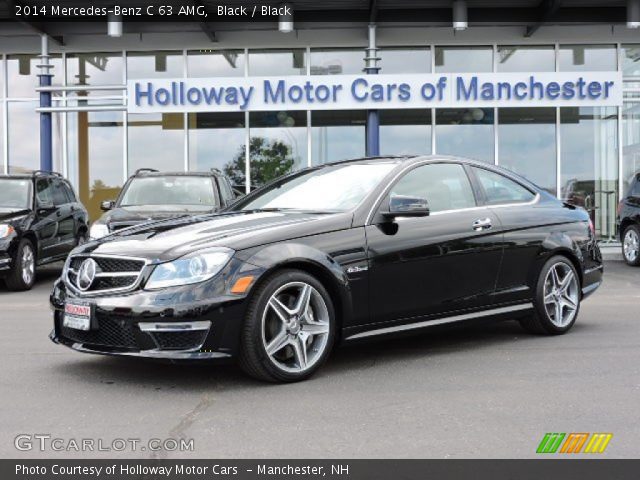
(295, 327)
(28, 262)
(631, 245)
(561, 294)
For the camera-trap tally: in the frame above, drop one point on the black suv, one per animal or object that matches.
(629, 222)
(41, 221)
(150, 195)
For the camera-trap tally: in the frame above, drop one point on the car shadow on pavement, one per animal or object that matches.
(346, 361)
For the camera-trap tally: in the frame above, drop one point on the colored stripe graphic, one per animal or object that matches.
(598, 443)
(574, 442)
(550, 443)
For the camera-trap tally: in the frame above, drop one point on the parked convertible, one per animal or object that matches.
(330, 254)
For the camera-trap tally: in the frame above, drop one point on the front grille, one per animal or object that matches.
(180, 340)
(111, 332)
(111, 273)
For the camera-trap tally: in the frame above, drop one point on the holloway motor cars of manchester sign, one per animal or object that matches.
(348, 92)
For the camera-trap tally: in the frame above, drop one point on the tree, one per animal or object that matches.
(269, 159)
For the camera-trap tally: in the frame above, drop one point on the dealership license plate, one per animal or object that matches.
(77, 316)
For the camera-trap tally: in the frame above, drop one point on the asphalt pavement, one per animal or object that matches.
(483, 391)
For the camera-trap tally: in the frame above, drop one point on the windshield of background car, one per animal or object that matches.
(332, 188)
(170, 190)
(15, 193)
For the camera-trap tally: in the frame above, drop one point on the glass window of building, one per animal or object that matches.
(334, 61)
(96, 69)
(405, 132)
(22, 73)
(630, 142)
(589, 164)
(527, 144)
(337, 135)
(526, 58)
(95, 151)
(156, 140)
(278, 62)
(24, 140)
(465, 133)
(589, 58)
(160, 64)
(463, 59)
(217, 140)
(277, 145)
(631, 60)
(404, 60)
(215, 63)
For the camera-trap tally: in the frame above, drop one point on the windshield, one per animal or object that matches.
(15, 193)
(170, 190)
(332, 188)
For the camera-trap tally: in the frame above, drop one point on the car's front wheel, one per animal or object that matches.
(289, 328)
(23, 273)
(631, 245)
(557, 298)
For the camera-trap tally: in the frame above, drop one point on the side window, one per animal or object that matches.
(444, 185)
(635, 189)
(44, 192)
(225, 190)
(71, 196)
(59, 194)
(500, 189)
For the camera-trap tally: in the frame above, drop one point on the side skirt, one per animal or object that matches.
(442, 321)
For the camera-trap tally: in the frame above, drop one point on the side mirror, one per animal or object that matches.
(407, 206)
(107, 205)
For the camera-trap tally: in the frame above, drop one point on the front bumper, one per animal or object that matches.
(195, 322)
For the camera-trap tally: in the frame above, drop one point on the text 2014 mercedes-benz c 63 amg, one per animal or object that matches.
(330, 254)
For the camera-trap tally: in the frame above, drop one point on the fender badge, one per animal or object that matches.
(356, 269)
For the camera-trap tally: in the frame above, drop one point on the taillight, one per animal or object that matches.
(620, 205)
(592, 228)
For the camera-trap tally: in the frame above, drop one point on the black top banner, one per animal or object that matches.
(414, 11)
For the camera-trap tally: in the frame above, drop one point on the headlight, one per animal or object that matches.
(6, 230)
(193, 268)
(98, 230)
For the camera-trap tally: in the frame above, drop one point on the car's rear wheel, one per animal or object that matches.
(23, 273)
(557, 298)
(631, 245)
(289, 328)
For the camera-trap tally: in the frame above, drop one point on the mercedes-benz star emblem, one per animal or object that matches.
(86, 274)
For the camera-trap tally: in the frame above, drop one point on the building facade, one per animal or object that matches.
(583, 154)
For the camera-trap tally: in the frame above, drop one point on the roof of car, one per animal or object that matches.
(34, 174)
(409, 158)
(149, 173)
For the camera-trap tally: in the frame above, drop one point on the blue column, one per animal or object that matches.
(46, 147)
(373, 120)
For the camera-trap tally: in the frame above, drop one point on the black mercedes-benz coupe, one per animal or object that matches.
(331, 254)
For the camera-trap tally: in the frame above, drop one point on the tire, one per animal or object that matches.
(301, 339)
(631, 245)
(557, 298)
(23, 273)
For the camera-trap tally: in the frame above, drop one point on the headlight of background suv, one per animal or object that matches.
(6, 230)
(98, 230)
(193, 268)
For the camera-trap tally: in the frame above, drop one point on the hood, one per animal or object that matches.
(170, 239)
(134, 215)
(12, 213)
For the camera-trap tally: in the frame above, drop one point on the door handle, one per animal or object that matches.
(482, 224)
